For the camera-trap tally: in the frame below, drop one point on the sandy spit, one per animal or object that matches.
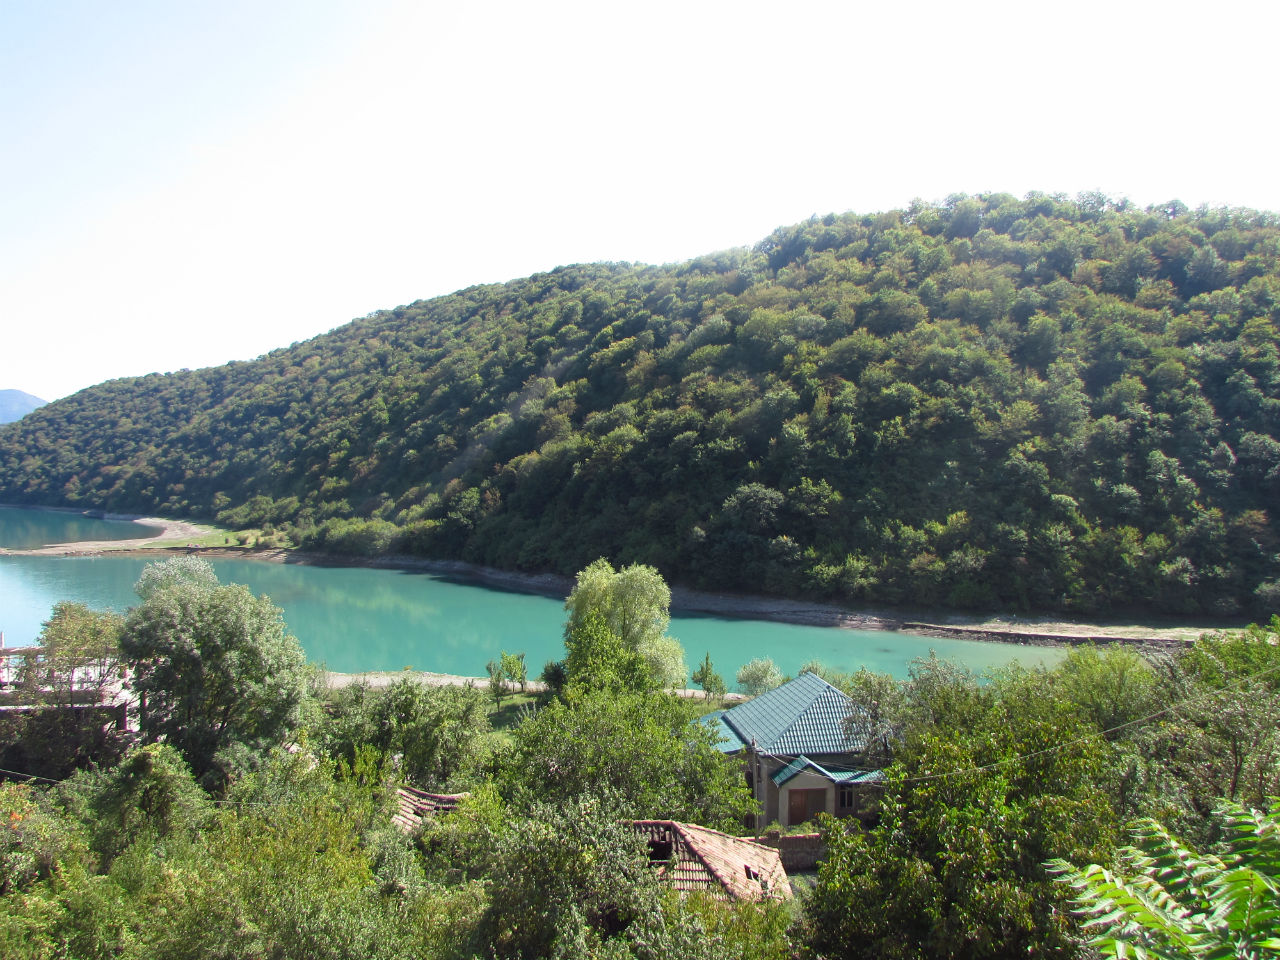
(169, 530)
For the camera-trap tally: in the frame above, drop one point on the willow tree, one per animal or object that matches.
(633, 604)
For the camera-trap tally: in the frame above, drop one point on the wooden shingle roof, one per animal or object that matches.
(724, 867)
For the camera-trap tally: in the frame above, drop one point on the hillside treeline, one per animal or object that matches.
(1043, 403)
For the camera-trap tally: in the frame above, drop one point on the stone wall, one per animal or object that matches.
(798, 851)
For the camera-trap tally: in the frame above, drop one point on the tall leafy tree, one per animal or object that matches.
(1221, 736)
(76, 664)
(988, 783)
(708, 679)
(217, 674)
(77, 656)
(596, 658)
(430, 734)
(633, 604)
(645, 748)
(758, 676)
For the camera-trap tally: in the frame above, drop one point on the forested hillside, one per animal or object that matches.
(1042, 403)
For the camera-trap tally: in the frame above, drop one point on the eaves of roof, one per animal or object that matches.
(802, 763)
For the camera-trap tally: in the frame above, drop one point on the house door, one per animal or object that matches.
(803, 805)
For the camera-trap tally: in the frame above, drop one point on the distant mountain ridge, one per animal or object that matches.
(15, 404)
(1042, 403)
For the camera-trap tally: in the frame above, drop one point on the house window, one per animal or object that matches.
(844, 797)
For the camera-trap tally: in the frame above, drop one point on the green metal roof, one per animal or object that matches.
(835, 776)
(730, 742)
(803, 716)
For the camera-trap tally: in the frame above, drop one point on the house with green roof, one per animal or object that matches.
(805, 751)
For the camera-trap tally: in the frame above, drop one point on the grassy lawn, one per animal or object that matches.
(513, 708)
(216, 537)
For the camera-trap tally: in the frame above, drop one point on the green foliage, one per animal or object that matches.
(881, 712)
(1167, 901)
(1221, 739)
(514, 669)
(705, 676)
(1114, 685)
(643, 748)
(1042, 402)
(616, 616)
(597, 659)
(498, 689)
(34, 838)
(175, 572)
(571, 879)
(430, 734)
(290, 864)
(747, 930)
(570, 871)
(76, 663)
(758, 676)
(633, 602)
(149, 795)
(222, 681)
(988, 783)
(77, 655)
(457, 849)
(555, 676)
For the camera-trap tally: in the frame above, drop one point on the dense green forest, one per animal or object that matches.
(1042, 403)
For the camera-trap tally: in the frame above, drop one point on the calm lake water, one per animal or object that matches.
(355, 619)
(22, 529)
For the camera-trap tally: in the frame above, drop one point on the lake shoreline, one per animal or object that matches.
(335, 680)
(1036, 631)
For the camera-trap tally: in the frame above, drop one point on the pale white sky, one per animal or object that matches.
(189, 183)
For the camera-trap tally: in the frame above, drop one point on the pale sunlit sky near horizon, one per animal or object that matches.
(184, 184)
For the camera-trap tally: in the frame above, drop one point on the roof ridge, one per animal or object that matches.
(800, 714)
(728, 836)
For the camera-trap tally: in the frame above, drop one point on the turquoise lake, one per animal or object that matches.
(355, 619)
(22, 529)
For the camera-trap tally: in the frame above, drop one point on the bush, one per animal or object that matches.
(759, 676)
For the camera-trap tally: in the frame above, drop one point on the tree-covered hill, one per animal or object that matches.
(1044, 403)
